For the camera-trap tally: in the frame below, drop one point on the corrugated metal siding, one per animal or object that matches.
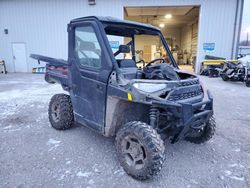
(216, 23)
(41, 24)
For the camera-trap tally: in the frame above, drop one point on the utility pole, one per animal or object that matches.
(247, 37)
(248, 31)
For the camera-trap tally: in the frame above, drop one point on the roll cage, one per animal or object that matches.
(124, 28)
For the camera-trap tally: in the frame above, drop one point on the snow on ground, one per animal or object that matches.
(32, 154)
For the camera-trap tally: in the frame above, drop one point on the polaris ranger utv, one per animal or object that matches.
(139, 101)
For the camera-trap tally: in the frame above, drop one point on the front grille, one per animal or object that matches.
(187, 95)
(188, 83)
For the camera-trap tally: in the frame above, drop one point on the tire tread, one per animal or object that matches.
(153, 142)
(66, 112)
(209, 131)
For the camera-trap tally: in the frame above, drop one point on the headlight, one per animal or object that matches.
(149, 87)
(204, 89)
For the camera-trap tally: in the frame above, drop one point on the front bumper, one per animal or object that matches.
(190, 116)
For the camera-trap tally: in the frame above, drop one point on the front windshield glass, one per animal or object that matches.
(149, 48)
(146, 47)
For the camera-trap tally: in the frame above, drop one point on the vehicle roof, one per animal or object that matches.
(113, 20)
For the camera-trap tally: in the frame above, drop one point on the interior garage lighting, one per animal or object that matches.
(162, 25)
(168, 16)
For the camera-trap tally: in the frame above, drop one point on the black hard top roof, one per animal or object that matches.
(112, 20)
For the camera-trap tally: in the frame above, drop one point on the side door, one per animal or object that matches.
(19, 57)
(89, 72)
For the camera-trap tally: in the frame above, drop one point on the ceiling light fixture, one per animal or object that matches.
(168, 16)
(162, 25)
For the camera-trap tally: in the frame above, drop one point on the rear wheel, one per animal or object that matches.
(248, 82)
(140, 150)
(203, 135)
(61, 112)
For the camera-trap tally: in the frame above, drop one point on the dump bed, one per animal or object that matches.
(56, 70)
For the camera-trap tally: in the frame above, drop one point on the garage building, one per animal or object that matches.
(192, 28)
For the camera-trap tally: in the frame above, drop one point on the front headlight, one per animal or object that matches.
(149, 87)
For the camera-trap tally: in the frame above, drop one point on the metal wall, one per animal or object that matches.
(42, 24)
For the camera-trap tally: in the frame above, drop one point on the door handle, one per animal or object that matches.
(99, 87)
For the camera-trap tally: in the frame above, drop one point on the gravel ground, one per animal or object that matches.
(32, 154)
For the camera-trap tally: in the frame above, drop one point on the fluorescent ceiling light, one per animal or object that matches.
(162, 25)
(168, 16)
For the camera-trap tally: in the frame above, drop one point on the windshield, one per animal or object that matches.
(149, 48)
(144, 46)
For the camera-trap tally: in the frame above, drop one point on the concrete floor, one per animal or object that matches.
(32, 154)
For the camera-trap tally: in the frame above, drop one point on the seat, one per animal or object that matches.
(127, 63)
(231, 65)
(128, 68)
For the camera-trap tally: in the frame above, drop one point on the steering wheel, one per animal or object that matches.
(141, 61)
(155, 60)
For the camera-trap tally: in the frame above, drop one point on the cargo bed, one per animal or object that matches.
(56, 70)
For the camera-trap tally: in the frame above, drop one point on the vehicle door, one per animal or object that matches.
(90, 68)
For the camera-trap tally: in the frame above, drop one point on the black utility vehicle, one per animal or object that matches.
(140, 101)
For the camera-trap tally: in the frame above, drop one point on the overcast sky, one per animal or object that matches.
(245, 20)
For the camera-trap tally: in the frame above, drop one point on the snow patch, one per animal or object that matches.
(11, 130)
(64, 175)
(236, 165)
(194, 181)
(241, 178)
(53, 142)
(228, 173)
(237, 150)
(91, 182)
(8, 127)
(235, 177)
(119, 172)
(68, 162)
(83, 174)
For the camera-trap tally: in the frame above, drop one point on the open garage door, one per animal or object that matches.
(179, 26)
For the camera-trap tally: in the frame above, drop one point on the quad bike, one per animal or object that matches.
(236, 71)
(110, 94)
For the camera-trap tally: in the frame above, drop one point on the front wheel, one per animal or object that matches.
(140, 150)
(203, 135)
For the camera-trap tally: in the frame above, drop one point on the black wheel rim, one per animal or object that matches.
(133, 152)
(55, 112)
(195, 133)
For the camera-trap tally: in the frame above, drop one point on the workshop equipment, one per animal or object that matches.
(3, 67)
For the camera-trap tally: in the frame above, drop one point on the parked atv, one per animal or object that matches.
(110, 94)
(237, 71)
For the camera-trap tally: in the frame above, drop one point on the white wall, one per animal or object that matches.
(186, 36)
(173, 33)
(42, 24)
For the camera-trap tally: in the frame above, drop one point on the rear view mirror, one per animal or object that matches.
(124, 49)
